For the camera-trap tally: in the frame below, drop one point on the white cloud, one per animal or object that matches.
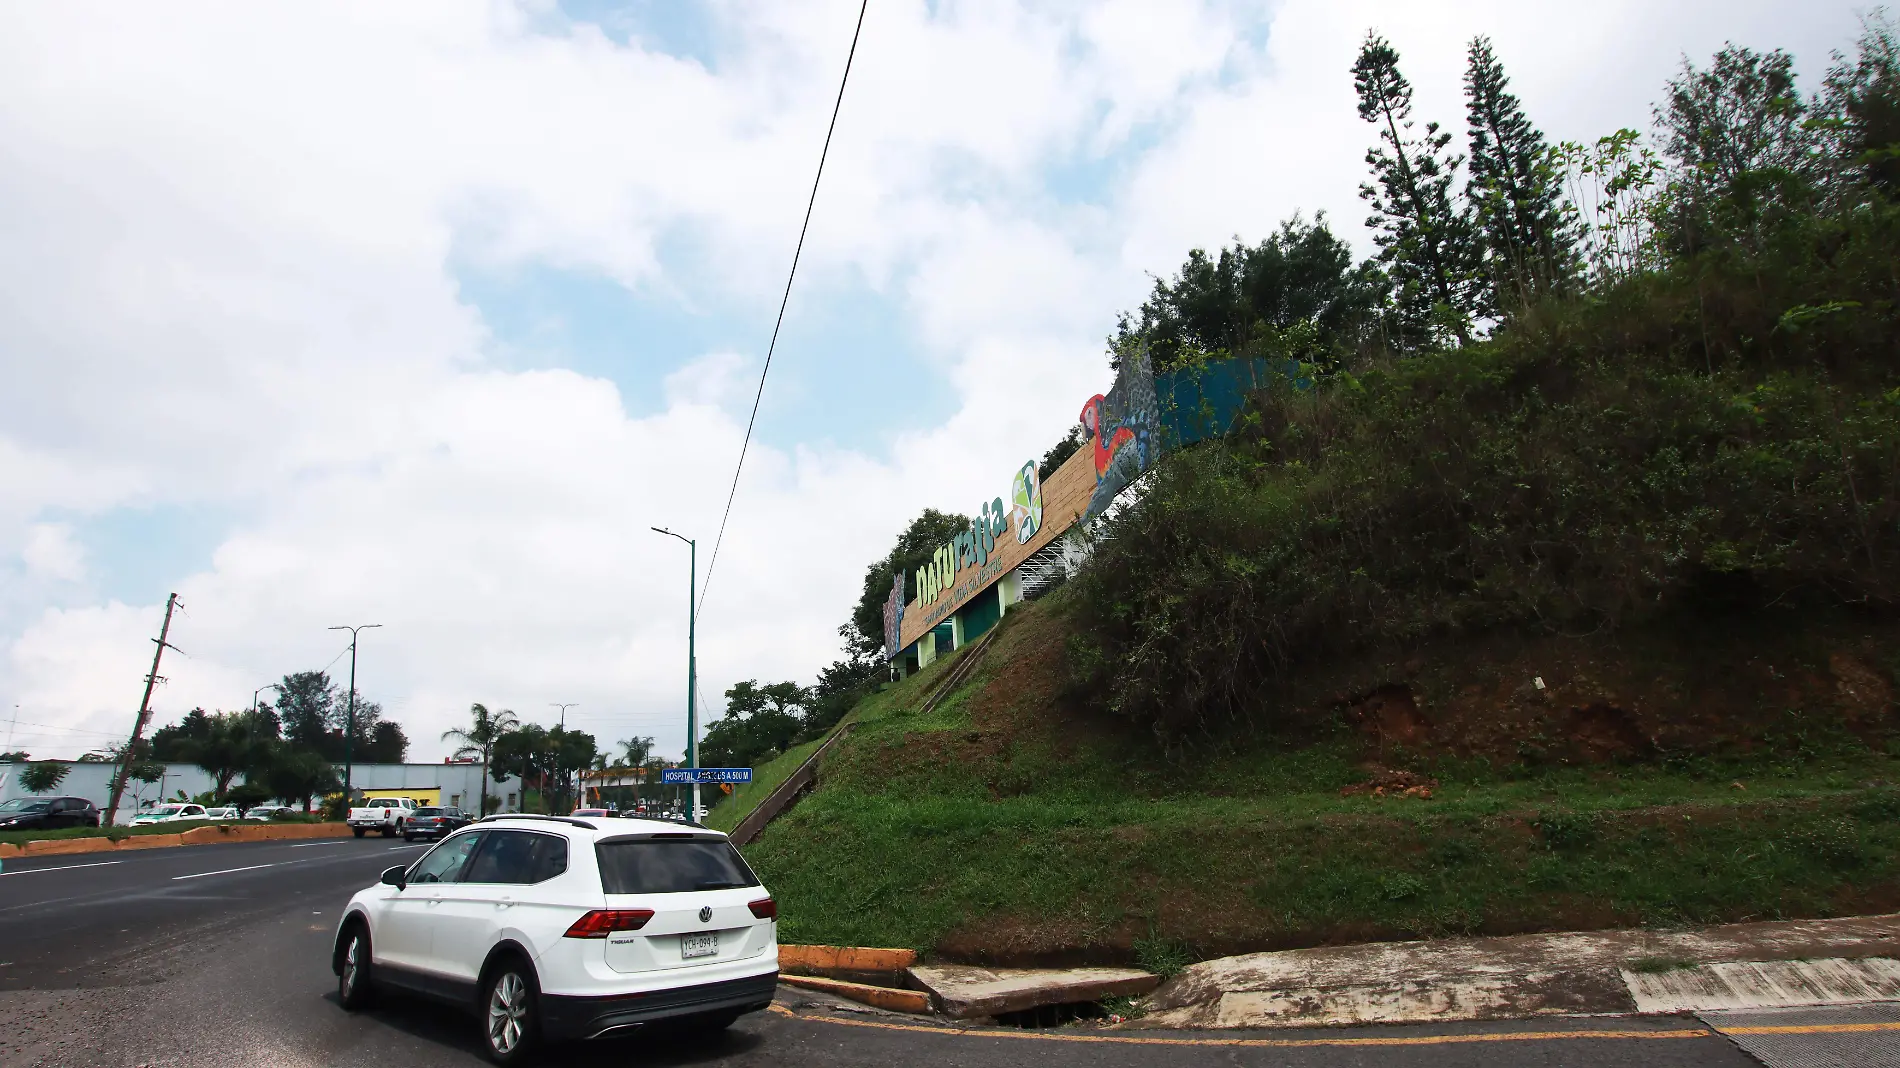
(51, 552)
(226, 280)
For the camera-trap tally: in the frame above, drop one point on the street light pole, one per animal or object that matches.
(563, 723)
(261, 689)
(349, 720)
(692, 680)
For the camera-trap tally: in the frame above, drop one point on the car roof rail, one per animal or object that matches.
(571, 821)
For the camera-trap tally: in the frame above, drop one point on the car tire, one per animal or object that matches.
(356, 979)
(510, 1012)
(408, 837)
(357, 831)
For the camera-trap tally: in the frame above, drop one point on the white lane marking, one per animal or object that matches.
(316, 845)
(62, 867)
(224, 871)
(392, 849)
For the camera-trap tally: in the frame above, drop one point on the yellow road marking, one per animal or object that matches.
(1813, 1029)
(1280, 1043)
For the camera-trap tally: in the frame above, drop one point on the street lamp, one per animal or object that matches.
(692, 681)
(563, 723)
(261, 689)
(349, 721)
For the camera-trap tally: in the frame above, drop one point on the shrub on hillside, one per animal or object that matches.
(1724, 432)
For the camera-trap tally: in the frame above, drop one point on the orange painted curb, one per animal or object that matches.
(151, 841)
(53, 847)
(882, 997)
(58, 847)
(816, 960)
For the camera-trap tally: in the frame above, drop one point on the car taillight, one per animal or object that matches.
(602, 922)
(765, 908)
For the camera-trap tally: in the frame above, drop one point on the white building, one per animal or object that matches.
(93, 781)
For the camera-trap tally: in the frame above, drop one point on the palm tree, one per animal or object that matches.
(485, 729)
(637, 750)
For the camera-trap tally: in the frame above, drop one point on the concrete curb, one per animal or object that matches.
(211, 835)
(826, 960)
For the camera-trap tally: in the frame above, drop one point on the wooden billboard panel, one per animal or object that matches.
(1065, 497)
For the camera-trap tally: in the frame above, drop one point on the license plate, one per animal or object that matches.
(699, 945)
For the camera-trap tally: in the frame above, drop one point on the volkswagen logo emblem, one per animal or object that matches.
(705, 914)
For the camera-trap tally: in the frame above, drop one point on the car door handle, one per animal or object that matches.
(506, 902)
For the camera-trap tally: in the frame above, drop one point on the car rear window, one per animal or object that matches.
(428, 812)
(517, 857)
(670, 865)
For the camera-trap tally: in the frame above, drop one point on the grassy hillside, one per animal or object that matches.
(1014, 824)
(911, 692)
(1587, 623)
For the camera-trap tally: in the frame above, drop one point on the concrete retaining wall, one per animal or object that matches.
(211, 835)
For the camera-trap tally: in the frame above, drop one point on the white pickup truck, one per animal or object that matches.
(385, 814)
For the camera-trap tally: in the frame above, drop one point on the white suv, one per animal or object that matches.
(552, 927)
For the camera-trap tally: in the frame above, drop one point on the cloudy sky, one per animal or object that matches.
(422, 314)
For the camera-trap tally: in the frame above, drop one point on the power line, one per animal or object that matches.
(71, 730)
(783, 301)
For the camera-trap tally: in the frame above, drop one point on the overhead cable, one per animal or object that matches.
(783, 301)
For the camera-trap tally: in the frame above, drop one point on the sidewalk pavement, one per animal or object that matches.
(1738, 966)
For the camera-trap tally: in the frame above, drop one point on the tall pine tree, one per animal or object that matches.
(1515, 193)
(1424, 237)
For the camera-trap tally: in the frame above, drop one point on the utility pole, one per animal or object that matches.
(692, 680)
(349, 720)
(145, 712)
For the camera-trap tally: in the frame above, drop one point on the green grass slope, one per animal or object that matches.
(1012, 826)
(730, 810)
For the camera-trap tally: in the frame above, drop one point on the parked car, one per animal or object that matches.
(265, 812)
(595, 813)
(47, 813)
(554, 927)
(176, 812)
(385, 815)
(435, 822)
(224, 812)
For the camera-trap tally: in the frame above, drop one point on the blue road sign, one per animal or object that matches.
(688, 776)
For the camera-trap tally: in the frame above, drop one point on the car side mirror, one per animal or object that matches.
(397, 877)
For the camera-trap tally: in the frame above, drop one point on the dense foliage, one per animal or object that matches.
(1706, 411)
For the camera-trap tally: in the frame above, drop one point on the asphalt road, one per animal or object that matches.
(217, 955)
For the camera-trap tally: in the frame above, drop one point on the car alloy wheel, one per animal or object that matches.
(510, 1015)
(353, 975)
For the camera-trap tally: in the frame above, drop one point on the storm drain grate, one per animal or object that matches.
(1833, 1036)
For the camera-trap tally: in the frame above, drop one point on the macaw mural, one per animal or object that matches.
(1025, 511)
(1122, 428)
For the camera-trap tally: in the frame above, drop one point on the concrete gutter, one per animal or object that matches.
(1532, 975)
(964, 992)
(215, 834)
(882, 997)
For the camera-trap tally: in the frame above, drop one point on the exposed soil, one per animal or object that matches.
(1386, 783)
(1716, 687)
